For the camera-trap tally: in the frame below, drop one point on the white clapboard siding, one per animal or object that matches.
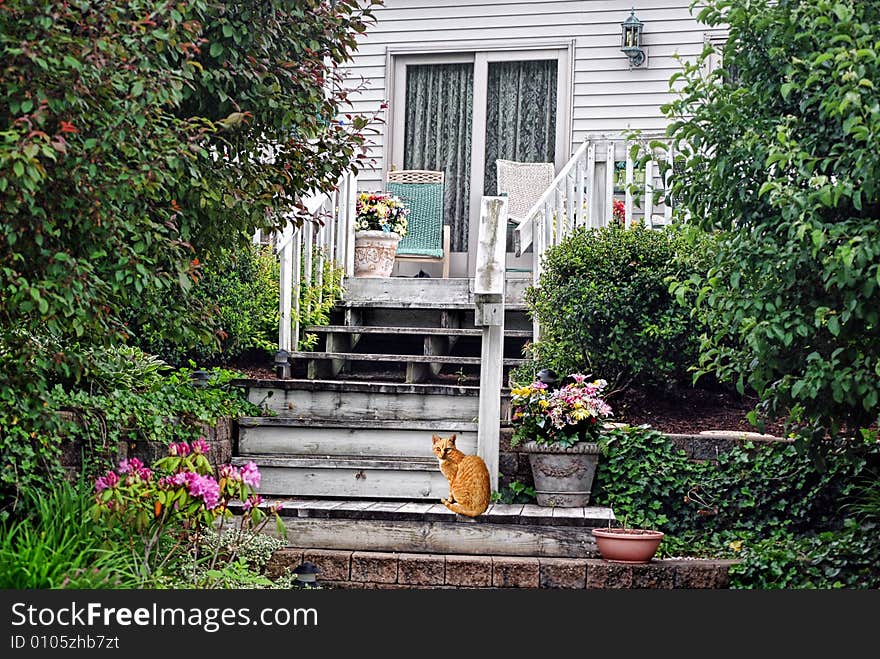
(607, 97)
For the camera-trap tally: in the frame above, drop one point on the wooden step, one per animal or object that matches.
(426, 331)
(334, 437)
(349, 476)
(363, 401)
(381, 357)
(423, 293)
(508, 530)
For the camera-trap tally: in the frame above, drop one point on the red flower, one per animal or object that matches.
(67, 127)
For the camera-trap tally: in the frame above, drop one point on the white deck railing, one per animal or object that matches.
(303, 250)
(582, 194)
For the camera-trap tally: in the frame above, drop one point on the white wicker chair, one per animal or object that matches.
(524, 183)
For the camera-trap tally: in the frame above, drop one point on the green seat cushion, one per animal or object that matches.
(425, 219)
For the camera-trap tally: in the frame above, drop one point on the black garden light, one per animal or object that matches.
(631, 40)
(307, 574)
(200, 378)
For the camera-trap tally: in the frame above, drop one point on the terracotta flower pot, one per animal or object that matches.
(374, 253)
(627, 545)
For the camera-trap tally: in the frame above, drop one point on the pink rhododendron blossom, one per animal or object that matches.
(250, 474)
(229, 472)
(200, 446)
(107, 481)
(252, 501)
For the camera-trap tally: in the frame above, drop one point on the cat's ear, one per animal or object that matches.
(452, 439)
(435, 439)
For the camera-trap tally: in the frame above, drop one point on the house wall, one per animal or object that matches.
(607, 97)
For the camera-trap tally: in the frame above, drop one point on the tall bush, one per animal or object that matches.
(782, 151)
(134, 137)
(604, 305)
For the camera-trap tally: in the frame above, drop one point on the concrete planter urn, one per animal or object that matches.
(374, 253)
(626, 545)
(563, 475)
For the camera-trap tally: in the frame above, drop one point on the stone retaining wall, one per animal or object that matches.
(363, 569)
(219, 437)
(514, 465)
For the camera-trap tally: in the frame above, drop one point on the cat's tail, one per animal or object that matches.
(457, 507)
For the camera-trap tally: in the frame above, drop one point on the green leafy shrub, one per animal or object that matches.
(780, 151)
(847, 558)
(132, 144)
(171, 410)
(605, 309)
(241, 287)
(58, 545)
(645, 478)
(791, 520)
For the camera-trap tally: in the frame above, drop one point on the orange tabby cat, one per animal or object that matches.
(467, 475)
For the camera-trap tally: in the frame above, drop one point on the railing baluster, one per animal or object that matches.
(559, 225)
(296, 282)
(628, 204)
(649, 194)
(580, 194)
(571, 205)
(609, 184)
(308, 247)
(592, 207)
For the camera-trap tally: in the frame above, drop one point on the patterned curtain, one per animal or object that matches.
(521, 115)
(437, 135)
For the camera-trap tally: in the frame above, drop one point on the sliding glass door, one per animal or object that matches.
(461, 112)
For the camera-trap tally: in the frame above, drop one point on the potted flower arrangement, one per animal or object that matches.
(558, 429)
(379, 225)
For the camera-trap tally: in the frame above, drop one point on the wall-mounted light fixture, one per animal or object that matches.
(631, 40)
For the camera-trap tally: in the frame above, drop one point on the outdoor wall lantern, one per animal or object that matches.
(631, 40)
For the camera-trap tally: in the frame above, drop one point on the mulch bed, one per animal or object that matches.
(689, 410)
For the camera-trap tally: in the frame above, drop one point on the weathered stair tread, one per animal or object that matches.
(390, 424)
(341, 462)
(419, 304)
(438, 331)
(375, 357)
(361, 386)
(403, 511)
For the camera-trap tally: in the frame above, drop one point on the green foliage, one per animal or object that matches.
(773, 507)
(57, 545)
(169, 411)
(645, 478)
(133, 144)
(605, 309)
(781, 152)
(515, 492)
(124, 368)
(241, 286)
(166, 510)
(847, 558)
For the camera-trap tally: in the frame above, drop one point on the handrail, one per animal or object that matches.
(303, 249)
(583, 195)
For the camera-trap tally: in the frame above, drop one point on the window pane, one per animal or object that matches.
(439, 115)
